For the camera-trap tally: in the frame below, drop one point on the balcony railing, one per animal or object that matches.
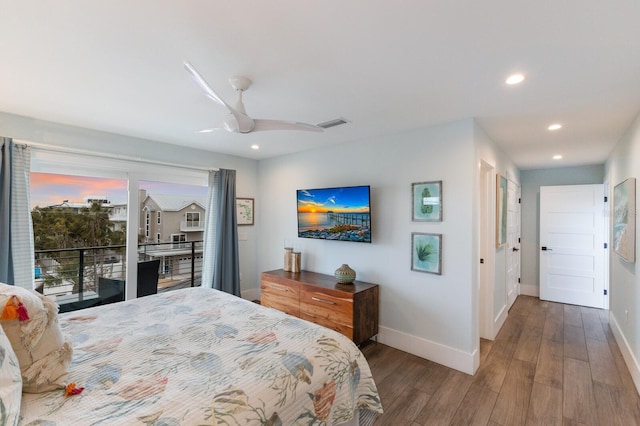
(75, 275)
(191, 226)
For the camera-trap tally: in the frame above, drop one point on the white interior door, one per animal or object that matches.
(513, 242)
(572, 254)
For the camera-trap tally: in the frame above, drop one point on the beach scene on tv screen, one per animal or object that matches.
(335, 214)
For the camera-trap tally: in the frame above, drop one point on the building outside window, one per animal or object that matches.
(178, 240)
(193, 219)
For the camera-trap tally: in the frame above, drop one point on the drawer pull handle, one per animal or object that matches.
(328, 302)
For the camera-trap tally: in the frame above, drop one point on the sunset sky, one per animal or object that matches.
(343, 200)
(47, 189)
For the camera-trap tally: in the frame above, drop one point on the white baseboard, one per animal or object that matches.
(251, 294)
(627, 353)
(530, 290)
(476, 360)
(498, 322)
(449, 357)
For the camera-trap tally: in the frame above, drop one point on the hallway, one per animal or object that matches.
(551, 364)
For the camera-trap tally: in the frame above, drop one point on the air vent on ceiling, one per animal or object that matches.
(333, 123)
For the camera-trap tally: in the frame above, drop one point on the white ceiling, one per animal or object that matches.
(385, 66)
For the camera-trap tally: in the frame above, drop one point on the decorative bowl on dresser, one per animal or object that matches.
(351, 309)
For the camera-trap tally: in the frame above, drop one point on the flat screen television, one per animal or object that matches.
(342, 214)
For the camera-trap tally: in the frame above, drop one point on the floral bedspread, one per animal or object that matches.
(202, 357)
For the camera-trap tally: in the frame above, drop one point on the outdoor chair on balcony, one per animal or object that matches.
(73, 302)
(148, 274)
(111, 290)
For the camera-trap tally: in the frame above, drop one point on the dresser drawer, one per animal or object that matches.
(326, 307)
(325, 322)
(283, 297)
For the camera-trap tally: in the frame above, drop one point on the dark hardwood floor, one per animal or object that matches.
(551, 364)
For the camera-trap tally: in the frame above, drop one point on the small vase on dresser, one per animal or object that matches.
(344, 274)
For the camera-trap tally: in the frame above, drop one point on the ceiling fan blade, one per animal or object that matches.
(245, 123)
(232, 124)
(200, 81)
(263, 125)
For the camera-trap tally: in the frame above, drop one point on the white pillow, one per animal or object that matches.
(10, 383)
(43, 353)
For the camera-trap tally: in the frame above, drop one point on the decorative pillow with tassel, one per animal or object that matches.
(30, 321)
(10, 383)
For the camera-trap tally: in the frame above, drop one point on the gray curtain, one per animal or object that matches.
(6, 265)
(221, 267)
(16, 228)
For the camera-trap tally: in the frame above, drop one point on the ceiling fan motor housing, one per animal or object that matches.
(245, 125)
(240, 83)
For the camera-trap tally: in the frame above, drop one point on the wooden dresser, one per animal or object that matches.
(351, 309)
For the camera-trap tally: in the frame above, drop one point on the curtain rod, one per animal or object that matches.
(66, 150)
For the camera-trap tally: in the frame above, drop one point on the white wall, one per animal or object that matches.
(532, 180)
(433, 316)
(54, 134)
(623, 163)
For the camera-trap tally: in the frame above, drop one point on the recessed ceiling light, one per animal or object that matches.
(557, 157)
(555, 126)
(515, 79)
(255, 146)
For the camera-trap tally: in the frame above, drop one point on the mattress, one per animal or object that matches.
(198, 356)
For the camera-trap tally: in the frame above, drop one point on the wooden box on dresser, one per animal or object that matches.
(351, 309)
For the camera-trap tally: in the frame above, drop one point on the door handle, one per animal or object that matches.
(516, 249)
(544, 248)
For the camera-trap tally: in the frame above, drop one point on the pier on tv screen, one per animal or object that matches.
(342, 214)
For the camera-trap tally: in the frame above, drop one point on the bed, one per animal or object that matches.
(202, 357)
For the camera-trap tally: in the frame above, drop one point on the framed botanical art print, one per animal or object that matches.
(426, 253)
(624, 220)
(244, 211)
(426, 201)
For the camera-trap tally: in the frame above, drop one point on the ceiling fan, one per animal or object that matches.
(238, 120)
